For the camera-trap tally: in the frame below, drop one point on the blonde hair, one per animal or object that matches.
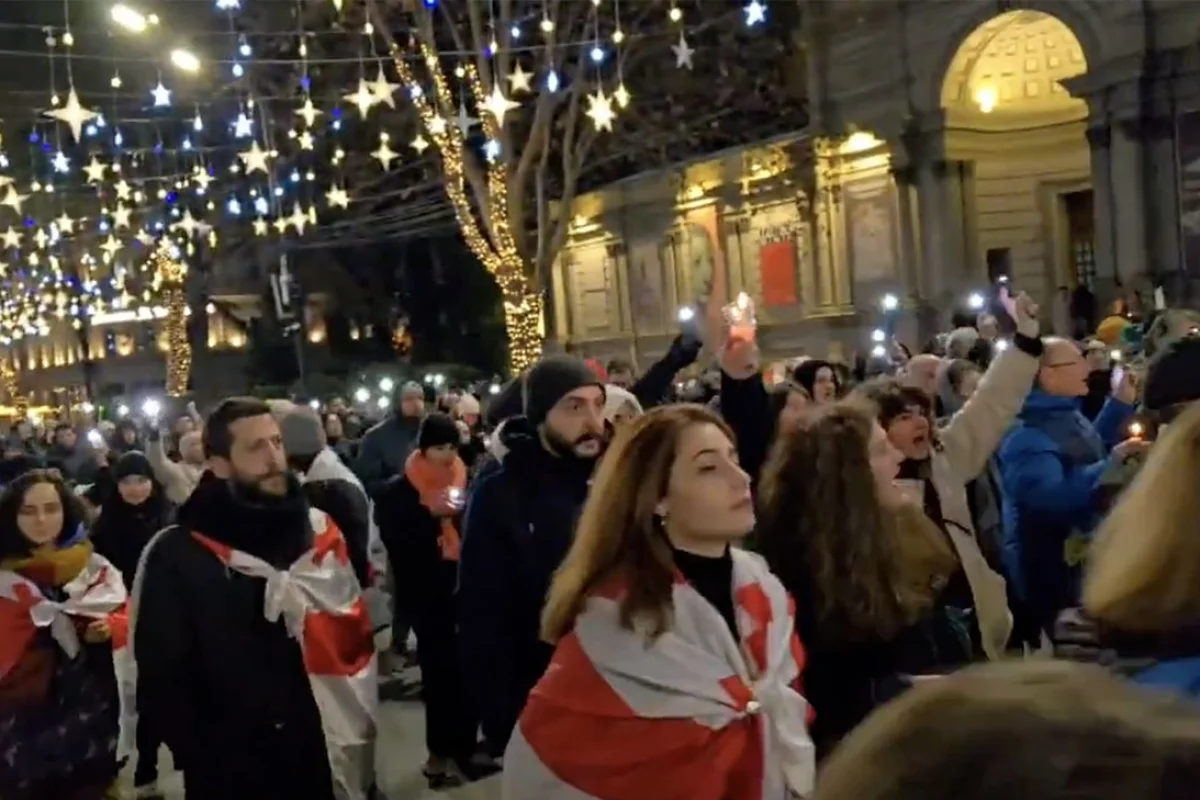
(617, 536)
(1036, 730)
(1143, 572)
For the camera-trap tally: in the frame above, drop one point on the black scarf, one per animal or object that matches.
(274, 528)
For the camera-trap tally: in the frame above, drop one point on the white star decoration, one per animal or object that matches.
(465, 121)
(601, 111)
(385, 155)
(255, 158)
(683, 53)
(95, 170)
(12, 238)
(298, 219)
(121, 217)
(110, 247)
(362, 97)
(382, 89)
(65, 223)
(419, 144)
(337, 197)
(13, 200)
(201, 178)
(518, 79)
(122, 189)
(73, 113)
(308, 112)
(162, 95)
(498, 105)
(188, 223)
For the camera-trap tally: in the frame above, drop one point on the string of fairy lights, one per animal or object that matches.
(192, 147)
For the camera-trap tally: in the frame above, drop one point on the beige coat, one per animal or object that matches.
(178, 479)
(964, 446)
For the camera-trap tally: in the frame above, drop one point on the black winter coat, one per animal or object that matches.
(226, 688)
(518, 526)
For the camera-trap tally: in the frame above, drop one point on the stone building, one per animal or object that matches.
(1056, 143)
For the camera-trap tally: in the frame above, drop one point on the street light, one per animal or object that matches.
(185, 60)
(130, 19)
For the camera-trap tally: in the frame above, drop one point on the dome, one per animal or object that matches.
(1014, 62)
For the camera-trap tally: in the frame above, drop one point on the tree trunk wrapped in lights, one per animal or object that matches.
(170, 273)
(12, 388)
(501, 196)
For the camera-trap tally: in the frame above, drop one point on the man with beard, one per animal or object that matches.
(518, 526)
(226, 685)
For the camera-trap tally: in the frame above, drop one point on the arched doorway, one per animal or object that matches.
(1028, 202)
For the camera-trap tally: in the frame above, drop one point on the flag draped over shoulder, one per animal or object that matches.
(319, 601)
(695, 715)
(96, 592)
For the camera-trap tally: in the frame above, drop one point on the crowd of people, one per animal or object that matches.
(804, 579)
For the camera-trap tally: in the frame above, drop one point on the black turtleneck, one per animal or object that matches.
(273, 528)
(712, 577)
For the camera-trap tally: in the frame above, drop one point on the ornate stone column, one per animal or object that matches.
(1127, 174)
(1104, 210)
(903, 179)
(939, 194)
(1163, 263)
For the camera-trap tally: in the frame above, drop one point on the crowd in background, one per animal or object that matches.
(621, 583)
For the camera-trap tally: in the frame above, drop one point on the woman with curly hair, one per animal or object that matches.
(866, 566)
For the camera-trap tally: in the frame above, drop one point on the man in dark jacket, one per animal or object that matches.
(226, 687)
(385, 447)
(518, 526)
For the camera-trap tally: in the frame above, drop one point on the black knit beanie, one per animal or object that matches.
(437, 429)
(552, 379)
(507, 403)
(1173, 376)
(132, 463)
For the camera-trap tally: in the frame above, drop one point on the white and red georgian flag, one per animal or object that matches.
(695, 715)
(97, 592)
(320, 603)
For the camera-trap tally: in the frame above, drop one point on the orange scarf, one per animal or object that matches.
(431, 482)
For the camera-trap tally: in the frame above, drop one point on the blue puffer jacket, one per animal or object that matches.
(1050, 465)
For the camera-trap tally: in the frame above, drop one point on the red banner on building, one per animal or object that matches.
(777, 268)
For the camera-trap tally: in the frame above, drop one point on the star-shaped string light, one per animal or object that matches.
(121, 217)
(298, 219)
(437, 125)
(12, 238)
(383, 90)
(65, 223)
(73, 113)
(306, 140)
(111, 247)
(41, 239)
(336, 197)
(145, 237)
(518, 79)
(621, 95)
(362, 97)
(95, 170)
(13, 199)
(498, 105)
(683, 53)
(255, 158)
(384, 154)
(123, 189)
(465, 121)
(600, 110)
(260, 227)
(188, 224)
(308, 112)
(162, 95)
(201, 178)
(420, 143)
(756, 12)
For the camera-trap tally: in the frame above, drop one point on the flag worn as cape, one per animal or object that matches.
(695, 715)
(320, 603)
